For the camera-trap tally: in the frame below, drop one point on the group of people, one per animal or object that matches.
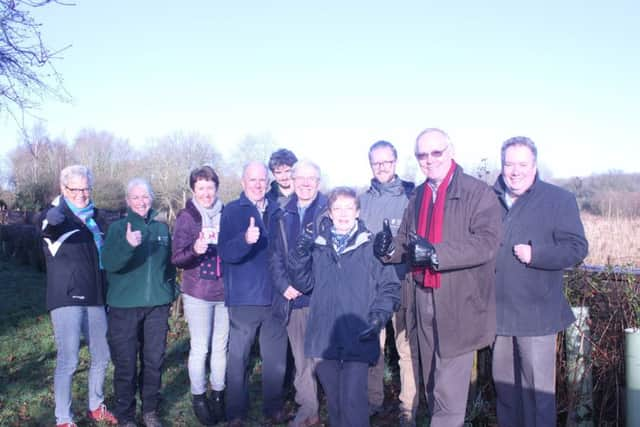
(454, 264)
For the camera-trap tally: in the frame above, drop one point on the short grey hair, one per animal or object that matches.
(254, 162)
(428, 131)
(522, 141)
(76, 170)
(135, 182)
(304, 162)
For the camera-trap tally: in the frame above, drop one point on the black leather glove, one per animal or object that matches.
(421, 252)
(377, 321)
(304, 243)
(383, 242)
(55, 215)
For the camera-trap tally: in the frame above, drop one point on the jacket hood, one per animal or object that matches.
(359, 238)
(395, 187)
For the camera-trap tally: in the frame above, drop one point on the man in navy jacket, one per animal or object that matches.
(543, 235)
(248, 287)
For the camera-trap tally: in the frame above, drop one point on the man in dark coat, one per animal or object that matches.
(302, 213)
(248, 291)
(543, 235)
(450, 234)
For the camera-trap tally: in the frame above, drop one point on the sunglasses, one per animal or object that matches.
(436, 154)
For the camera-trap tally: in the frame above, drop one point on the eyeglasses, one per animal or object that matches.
(77, 191)
(386, 164)
(436, 154)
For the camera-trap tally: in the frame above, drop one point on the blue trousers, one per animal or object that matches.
(244, 324)
(69, 325)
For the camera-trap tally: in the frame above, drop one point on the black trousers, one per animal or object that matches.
(137, 333)
(345, 386)
(244, 324)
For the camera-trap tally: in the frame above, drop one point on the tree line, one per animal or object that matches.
(30, 173)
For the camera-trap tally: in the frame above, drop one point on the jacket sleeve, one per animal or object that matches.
(232, 247)
(387, 295)
(116, 251)
(301, 271)
(278, 257)
(182, 253)
(569, 246)
(482, 239)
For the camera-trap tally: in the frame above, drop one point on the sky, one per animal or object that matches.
(327, 79)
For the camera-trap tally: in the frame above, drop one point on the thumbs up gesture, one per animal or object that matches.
(133, 237)
(252, 234)
(383, 242)
(200, 245)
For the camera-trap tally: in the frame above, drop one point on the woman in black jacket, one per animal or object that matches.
(72, 232)
(354, 295)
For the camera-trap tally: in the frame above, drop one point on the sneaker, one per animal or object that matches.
(67, 425)
(101, 413)
(151, 420)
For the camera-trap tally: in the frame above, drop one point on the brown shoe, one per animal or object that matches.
(236, 422)
(313, 421)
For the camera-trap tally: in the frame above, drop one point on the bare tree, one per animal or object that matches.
(26, 69)
(167, 162)
(252, 147)
(35, 165)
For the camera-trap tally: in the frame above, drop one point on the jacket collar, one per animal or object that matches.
(394, 187)
(292, 204)
(137, 219)
(500, 187)
(359, 238)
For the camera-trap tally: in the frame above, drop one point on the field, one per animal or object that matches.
(27, 350)
(613, 240)
(27, 361)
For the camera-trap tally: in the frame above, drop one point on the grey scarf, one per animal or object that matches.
(210, 216)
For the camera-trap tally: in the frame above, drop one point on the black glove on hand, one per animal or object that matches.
(383, 242)
(304, 243)
(55, 215)
(421, 252)
(376, 323)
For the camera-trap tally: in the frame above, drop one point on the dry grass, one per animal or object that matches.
(613, 240)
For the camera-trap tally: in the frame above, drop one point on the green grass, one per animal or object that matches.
(27, 362)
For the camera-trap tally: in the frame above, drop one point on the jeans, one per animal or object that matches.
(139, 332)
(209, 330)
(69, 323)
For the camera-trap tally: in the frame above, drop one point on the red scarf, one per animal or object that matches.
(432, 278)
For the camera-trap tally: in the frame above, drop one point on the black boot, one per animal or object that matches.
(216, 405)
(201, 409)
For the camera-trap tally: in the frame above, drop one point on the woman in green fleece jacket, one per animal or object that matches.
(136, 256)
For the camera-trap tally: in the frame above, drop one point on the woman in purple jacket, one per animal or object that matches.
(195, 249)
